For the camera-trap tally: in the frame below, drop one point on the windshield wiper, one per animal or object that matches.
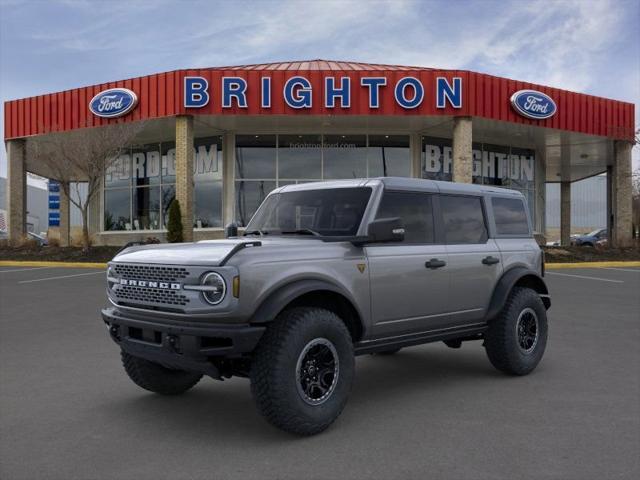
(301, 231)
(256, 232)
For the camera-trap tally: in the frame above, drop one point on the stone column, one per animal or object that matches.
(184, 173)
(565, 213)
(621, 183)
(65, 216)
(415, 147)
(228, 178)
(462, 150)
(16, 191)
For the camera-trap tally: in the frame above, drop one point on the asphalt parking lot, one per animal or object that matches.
(68, 411)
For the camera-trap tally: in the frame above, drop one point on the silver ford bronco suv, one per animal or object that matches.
(325, 272)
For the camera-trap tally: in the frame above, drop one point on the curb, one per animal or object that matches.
(19, 263)
(552, 266)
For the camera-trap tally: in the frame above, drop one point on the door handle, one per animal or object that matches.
(435, 263)
(490, 260)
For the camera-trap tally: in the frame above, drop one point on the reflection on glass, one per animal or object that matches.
(256, 156)
(116, 209)
(436, 158)
(146, 208)
(463, 219)
(168, 162)
(510, 216)
(207, 162)
(249, 196)
(208, 205)
(118, 174)
(389, 156)
(300, 156)
(168, 194)
(345, 156)
(145, 165)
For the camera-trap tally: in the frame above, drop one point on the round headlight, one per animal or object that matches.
(111, 280)
(215, 288)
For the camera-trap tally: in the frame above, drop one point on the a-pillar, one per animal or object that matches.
(184, 173)
(621, 186)
(462, 150)
(565, 213)
(16, 191)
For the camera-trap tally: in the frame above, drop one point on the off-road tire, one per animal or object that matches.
(156, 378)
(275, 378)
(501, 339)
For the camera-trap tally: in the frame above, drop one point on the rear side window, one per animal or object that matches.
(463, 219)
(415, 211)
(510, 216)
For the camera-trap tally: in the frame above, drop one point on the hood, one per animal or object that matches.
(207, 252)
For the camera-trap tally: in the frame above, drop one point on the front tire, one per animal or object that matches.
(156, 378)
(517, 338)
(302, 371)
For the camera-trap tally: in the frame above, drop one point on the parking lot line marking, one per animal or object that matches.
(621, 269)
(59, 277)
(24, 269)
(585, 277)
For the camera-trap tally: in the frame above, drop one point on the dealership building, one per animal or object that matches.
(220, 139)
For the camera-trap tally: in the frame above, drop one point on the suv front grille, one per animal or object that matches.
(151, 272)
(160, 296)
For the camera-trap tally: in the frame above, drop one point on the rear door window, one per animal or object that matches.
(510, 216)
(414, 209)
(463, 219)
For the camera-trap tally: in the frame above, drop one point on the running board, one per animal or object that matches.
(467, 332)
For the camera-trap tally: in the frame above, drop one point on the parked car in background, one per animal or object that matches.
(590, 239)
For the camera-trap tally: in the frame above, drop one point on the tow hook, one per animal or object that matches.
(172, 342)
(114, 331)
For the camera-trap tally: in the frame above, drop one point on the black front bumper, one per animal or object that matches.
(181, 344)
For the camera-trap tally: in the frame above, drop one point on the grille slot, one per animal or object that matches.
(153, 273)
(158, 296)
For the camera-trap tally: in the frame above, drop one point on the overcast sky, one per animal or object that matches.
(581, 45)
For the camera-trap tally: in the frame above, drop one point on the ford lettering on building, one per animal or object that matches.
(533, 104)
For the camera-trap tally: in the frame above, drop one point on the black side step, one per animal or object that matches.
(376, 345)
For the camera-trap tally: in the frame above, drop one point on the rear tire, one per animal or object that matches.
(517, 337)
(302, 370)
(156, 378)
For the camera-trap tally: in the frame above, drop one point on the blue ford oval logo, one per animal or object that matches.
(114, 102)
(533, 104)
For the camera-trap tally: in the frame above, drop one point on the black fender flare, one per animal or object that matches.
(282, 296)
(506, 283)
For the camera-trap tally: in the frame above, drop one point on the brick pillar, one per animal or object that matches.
(184, 173)
(565, 213)
(462, 150)
(415, 147)
(16, 191)
(65, 218)
(228, 179)
(621, 183)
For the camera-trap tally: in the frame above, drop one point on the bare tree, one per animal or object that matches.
(82, 156)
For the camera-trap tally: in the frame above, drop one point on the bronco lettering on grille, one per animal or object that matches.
(150, 284)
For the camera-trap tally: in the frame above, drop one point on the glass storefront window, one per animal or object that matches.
(389, 156)
(344, 156)
(151, 172)
(436, 158)
(256, 156)
(146, 208)
(300, 156)
(117, 205)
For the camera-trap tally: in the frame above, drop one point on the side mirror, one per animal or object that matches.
(231, 230)
(386, 230)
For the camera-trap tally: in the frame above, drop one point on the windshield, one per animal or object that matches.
(594, 233)
(325, 212)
